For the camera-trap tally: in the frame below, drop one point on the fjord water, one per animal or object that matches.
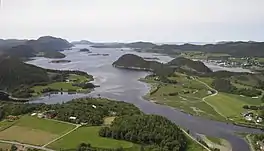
(123, 85)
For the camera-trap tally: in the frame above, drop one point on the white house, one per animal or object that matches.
(72, 118)
(248, 118)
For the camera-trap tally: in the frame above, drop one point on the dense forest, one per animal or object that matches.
(224, 85)
(82, 108)
(150, 130)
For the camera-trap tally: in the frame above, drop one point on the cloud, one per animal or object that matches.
(130, 20)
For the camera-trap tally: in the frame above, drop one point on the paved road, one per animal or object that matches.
(26, 145)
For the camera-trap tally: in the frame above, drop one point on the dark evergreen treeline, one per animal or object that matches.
(83, 109)
(224, 85)
(147, 130)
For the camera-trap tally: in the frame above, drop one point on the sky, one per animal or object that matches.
(134, 20)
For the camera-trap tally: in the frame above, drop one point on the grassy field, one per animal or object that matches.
(4, 146)
(193, 146)
(33, 130)
(231, 105)
(65, 86)
(51, 126)
(188, 98)
(88, 135)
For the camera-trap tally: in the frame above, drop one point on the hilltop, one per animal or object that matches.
(131, 61)
(46, 46)
(189, 64)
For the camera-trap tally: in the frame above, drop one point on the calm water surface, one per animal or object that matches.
(123, 85)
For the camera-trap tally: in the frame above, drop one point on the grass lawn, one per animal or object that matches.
(88, 135)
(51, 126)
(5, 146)
(57, 85)
(193, 146)
(27, 135)
(33, 130)
(231, 105)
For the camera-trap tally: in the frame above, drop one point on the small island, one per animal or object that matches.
(85, 50)
(134, 62)
(60, 61)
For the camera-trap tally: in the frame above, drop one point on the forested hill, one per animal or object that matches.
(150, 130)
(131, 61)
(237, 49)
(190, 64)
(15, 73)
(46, 46)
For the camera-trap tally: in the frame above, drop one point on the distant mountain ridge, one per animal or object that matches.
(82, 42)
(46, 46)
(236, 49)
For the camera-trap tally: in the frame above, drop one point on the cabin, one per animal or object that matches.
(72, 118)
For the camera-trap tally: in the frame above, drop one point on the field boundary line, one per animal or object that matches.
(26, 145)
(196, 140)
(250, 142)
(77, 126)
(214, 94)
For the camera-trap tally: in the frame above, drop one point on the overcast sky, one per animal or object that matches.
(133, 20)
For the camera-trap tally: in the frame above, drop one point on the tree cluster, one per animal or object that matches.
(147, 130)
(224, 85)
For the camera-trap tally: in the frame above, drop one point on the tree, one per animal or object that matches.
(13, 148)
